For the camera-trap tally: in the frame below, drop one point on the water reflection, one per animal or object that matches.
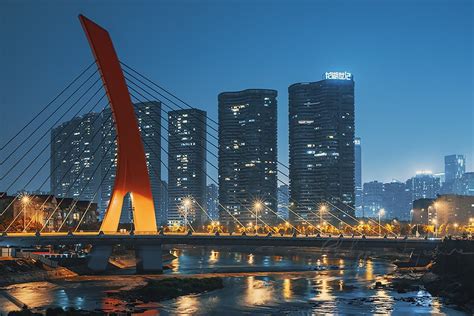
(258, 291)
(287, 288)
(340, 286)
(187, 304)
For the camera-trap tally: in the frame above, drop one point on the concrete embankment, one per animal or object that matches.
(20, 270)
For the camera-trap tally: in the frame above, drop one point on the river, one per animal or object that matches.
(282, 285)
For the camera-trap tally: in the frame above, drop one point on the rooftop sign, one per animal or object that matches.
(337, 75)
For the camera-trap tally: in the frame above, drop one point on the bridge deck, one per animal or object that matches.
(30, 239)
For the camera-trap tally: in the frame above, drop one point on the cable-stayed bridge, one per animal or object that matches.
(116, 85)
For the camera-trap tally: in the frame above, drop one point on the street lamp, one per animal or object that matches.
(381, 213)
(257, 206)
(25, 201)
(322, 209)
(187, 202)
(435, 222)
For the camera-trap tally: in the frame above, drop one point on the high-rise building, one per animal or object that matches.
(465, 185)
(373, 198)
(75, 158)
(321, 133)
(454, 209)
(424, 185)
(454, 167)
(248, 156)
(149, 124)
(397, 200)
(358, 177)
(283, 201)
(187, 167)
(213, 201)
(423, 211)
(164, 201)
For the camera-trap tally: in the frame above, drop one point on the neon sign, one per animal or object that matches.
(338, 75)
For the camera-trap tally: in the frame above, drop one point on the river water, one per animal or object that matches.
(256, 282)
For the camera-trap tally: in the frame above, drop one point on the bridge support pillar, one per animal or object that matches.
(99, 258)
(149, 258)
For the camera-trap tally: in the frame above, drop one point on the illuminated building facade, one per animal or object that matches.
(424, 185)
(248, 156)
(187, 166)
(283, 201)
(397, 200)
(75, 157)
(321, 134)
(213, 201)
(373, 198)
(359, 195)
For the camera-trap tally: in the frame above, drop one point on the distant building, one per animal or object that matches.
(445, 209)
(75, 157)
(465, 185)
(321, 139)
(248, 156)
(397, 201)
(373, 198)
(164, 201)
(454, 209)
(72, 213)
(359, 194)
(213, 201)
(283, 201)
(187, 166)
(423, 212)
(424, 185)
(35, 211)
(149, 124)
(454, 169)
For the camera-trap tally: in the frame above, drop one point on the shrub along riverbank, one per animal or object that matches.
(165, 289)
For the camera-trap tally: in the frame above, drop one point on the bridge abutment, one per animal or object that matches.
(99, 258)
(149, 258)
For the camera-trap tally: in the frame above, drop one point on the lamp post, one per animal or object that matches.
(257, 207)
(435, 222)
(322, 209)
(186, 205)
(381, 213)
(25, 201)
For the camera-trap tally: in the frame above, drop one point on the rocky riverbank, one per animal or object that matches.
(450, 277)
(452, 273)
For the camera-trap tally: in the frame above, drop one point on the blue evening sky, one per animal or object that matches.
(412, 62)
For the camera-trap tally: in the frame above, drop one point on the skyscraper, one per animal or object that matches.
(397, 200)
(213, 201)
(164, 201)
(248, 156)
(373, 198)
(321, 132)
(454, 167)
(74, 158)
(187, 166)
(283, 201)
(424, 185)
(358, 177)
(149, 123)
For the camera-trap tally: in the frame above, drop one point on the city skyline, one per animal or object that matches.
(378, 109)
(239, 157)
